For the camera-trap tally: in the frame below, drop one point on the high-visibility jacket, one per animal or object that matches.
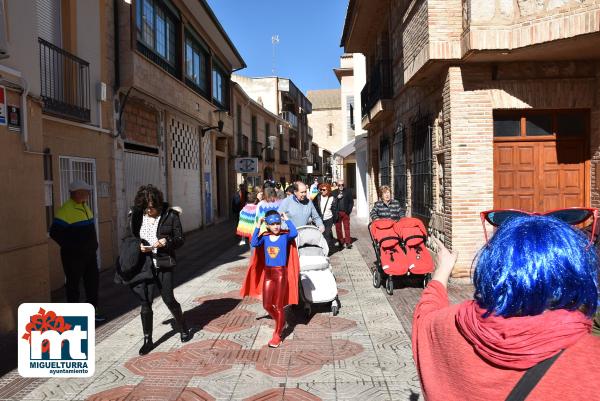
(73, 228)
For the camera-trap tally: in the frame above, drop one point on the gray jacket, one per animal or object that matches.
(299, 213)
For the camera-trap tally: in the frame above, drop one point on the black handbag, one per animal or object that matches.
(165, 261)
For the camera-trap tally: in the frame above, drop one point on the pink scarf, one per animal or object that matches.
(520, 342)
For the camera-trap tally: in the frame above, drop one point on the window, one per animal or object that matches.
(239, 128)
(527, 123)
(384, 162)
(350, 119)
(196, 65)
(400, 166)
(422, 175)
(220, 86)
(156, 33)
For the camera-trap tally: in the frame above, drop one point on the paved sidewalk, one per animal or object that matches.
(361, 354)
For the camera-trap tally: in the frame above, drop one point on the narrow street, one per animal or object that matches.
(364, 353)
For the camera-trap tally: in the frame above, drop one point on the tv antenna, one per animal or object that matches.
(274, 42)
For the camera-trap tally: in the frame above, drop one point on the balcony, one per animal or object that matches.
(244, 148)
(64, 83)
(290, 118)
(257, 149)
(283, 157)
(376, 96)
(295, 154)
(270, 155)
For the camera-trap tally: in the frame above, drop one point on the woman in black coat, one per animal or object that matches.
(159, 229)
(327, 207)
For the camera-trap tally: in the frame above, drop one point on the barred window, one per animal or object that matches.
(400, 166)
(422, 174)
(384, 163)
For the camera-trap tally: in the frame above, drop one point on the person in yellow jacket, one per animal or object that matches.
(74, 230)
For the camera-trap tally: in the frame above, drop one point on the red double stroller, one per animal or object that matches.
(400, 251)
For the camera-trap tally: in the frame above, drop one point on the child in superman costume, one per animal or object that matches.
(274, 269)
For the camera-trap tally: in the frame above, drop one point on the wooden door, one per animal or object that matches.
(539, 175)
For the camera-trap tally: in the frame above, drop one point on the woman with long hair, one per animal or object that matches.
(158, 227)
(536, 290)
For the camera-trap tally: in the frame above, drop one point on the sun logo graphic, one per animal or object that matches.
(56, 340)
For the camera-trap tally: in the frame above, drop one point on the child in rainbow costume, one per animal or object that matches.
(273, 270)
(247, 218)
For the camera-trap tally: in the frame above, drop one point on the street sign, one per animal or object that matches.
(246, 165)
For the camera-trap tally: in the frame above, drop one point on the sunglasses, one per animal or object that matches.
(323, 189)
(572, 216)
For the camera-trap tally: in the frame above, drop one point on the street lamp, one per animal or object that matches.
(219, 125)
(271, 145)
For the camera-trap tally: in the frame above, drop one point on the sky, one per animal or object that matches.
(309, 38)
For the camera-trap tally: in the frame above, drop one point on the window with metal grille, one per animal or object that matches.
(400, 166)
(422, 173)
(384, 163)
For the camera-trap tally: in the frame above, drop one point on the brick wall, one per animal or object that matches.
(415, 41)
(471, 166)
(501, 25)
(141, 123)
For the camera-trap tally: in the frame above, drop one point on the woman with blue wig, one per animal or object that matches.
(536, 290)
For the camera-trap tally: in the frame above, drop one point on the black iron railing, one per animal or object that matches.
(378, 86)
(244, 150)
(257, 149)
(422, 172)
(64, 83)
(283, 157)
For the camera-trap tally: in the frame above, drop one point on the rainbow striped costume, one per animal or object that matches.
(247, 221)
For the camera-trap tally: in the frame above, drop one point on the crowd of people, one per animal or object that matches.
(527, 330)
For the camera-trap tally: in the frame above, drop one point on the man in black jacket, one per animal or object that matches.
(345, 203)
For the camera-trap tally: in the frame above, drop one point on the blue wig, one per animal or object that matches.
(535, 263)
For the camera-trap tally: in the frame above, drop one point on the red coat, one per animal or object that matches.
(253, 283)
(450, 368)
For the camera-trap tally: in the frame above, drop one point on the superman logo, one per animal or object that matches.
(273, 251)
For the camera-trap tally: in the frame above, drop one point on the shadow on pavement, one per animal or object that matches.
(203, 251)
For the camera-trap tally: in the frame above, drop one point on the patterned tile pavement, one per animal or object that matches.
(361, 354)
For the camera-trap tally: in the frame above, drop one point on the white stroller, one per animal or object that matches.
(317, 283)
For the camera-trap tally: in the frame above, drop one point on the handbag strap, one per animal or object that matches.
(531, 378)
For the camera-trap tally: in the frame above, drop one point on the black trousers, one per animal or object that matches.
(328, 233)
(76, 268)
(163, 283)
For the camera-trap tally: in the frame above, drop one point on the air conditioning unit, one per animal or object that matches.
(3, 35)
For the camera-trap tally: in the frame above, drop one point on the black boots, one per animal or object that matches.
(147, 328)
(186, 335)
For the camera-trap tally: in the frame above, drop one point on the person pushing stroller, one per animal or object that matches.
(274, 269)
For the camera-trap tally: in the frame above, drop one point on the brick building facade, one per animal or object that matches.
(472, 105)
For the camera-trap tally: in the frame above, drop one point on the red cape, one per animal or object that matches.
(253, 283)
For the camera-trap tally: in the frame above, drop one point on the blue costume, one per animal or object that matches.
(275, 251)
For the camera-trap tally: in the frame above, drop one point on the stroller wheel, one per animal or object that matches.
(334, 309)
(389, 285)
(426, 279)
(376, 279)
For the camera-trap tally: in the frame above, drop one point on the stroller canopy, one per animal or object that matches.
(310, 242)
